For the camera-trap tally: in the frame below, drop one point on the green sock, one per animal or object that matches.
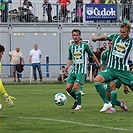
(113, 96)
(100, 89)
(78, 96)
(118, 103)
(72, 93)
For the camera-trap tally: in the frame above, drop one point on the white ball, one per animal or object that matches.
(1, 107)
(60, 99)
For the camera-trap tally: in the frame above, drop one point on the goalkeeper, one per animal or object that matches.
(8, 99)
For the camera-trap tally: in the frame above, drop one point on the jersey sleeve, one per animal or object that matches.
(88, 50)
(111, 37)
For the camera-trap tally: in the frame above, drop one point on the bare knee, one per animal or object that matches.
(76, 86)
(99, 78)
(112, 86)
(69, 87)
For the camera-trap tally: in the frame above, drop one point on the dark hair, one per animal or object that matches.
(2, 49)
(76, 30)
(63, 67)
(125, 25)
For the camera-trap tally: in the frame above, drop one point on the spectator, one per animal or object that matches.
(94, 1)
(16, 58)
(63, 74)
(4, 9)
(64, 4)
(104, 47)
(35, 56)
(79, 11)
(47, 5)
(27, 11)
(126, 9)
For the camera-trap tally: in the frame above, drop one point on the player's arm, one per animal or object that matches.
(96, 60)
(69, 62)
(101, 38)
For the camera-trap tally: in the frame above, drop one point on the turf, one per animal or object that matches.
(35, 112)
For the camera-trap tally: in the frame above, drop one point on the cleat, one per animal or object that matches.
(78, 107)
(106, 106)
(82, 93)
(123, 106)
(75, 105)
(9, 101)
(111, 110)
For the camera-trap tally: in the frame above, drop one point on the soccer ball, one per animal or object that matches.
(1, 107)
(60, 99)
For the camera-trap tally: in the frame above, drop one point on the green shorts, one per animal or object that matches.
(124, 76)
(78, 78)
(107, 85)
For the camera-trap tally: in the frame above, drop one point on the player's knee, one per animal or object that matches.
(76, 86)
(99, 78)
(112, 86)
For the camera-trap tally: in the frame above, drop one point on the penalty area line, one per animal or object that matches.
(65, 121)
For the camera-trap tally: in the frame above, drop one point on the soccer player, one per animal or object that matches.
(110, 87)
(8, 98)
(76, 58)
(117, 67)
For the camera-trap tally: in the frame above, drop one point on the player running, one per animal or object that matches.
(117, 67)
(110, 87)
(76, 58)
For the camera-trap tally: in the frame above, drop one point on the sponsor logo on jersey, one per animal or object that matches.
(77, 54)
(120, 46)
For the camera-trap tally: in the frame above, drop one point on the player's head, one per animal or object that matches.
(76, 35)
(125, 30)
(2, 49)
(110, 43)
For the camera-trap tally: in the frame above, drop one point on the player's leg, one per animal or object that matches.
(81, 86)
(78, 82)
(104, 76)
(69, 88)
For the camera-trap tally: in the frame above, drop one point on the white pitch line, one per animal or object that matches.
(65, 121)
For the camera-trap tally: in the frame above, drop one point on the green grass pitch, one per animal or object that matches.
(35, 111)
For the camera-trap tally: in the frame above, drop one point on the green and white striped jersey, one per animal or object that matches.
(120, 53)
(77, 55)
(104, 57)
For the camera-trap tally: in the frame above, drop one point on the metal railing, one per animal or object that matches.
(18, 14)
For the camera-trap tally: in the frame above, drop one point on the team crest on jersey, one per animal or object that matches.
(77, 54)
(120, 46)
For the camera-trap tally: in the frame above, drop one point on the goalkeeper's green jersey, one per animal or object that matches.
(76, 53)
(104, 58)
(120, 53)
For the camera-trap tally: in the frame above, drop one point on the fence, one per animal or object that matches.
(40, 15)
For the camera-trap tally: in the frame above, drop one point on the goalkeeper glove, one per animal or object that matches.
(9, 101)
